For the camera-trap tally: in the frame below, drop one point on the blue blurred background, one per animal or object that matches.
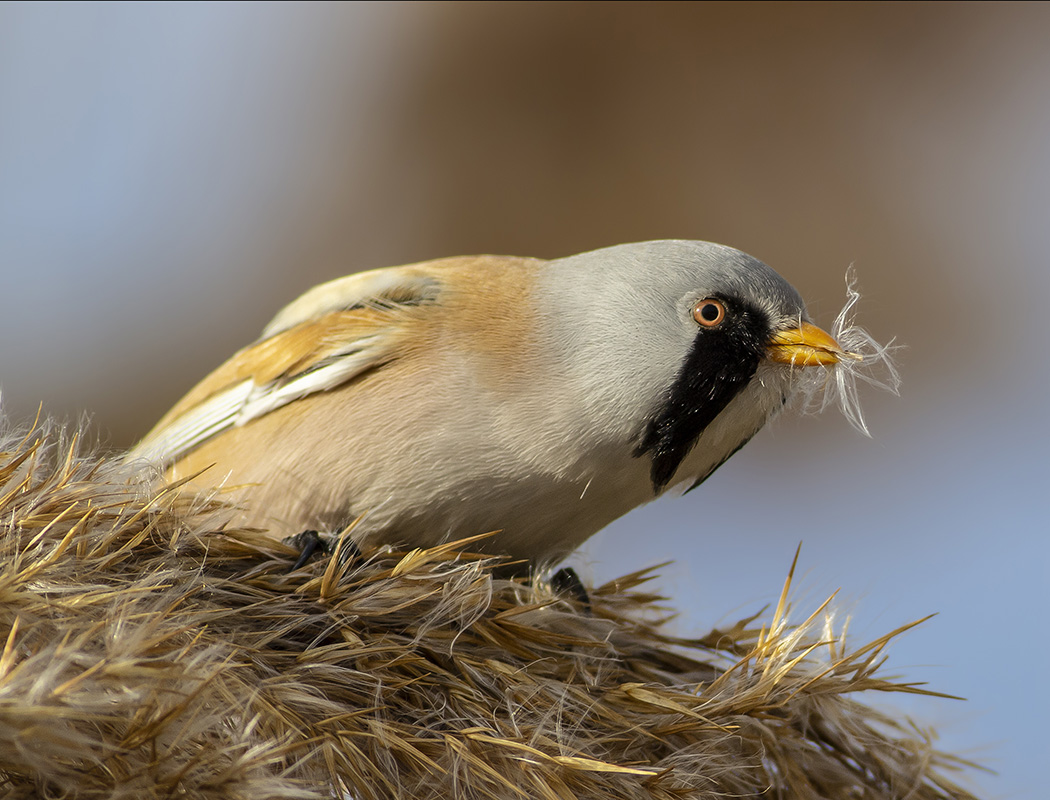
(171, 174)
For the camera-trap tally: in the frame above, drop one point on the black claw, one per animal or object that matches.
(308, 543)
(566, 581)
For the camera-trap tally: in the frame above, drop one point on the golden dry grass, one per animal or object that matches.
(151, 651)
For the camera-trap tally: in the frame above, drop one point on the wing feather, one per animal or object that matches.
(322, 340)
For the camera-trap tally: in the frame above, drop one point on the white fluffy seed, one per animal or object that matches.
(868, 361)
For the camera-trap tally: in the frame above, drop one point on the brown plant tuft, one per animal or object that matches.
(151, 650)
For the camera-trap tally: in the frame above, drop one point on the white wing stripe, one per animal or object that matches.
(264, 399)
(246, 401)
(193, 427)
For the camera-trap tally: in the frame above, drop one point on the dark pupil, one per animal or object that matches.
(709, 311)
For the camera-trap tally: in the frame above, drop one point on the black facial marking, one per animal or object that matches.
(720, 364)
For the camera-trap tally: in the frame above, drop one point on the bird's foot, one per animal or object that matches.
(566, 581)
(311, 542)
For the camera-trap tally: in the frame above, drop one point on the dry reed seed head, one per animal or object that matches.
(150, 653)
(868, 362)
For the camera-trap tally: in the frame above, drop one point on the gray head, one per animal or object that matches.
(672, 331)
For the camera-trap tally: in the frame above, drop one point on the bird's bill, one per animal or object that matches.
(804, 346)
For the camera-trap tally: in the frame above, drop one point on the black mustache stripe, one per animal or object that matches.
(720, 364)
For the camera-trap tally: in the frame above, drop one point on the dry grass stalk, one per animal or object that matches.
(151, 651)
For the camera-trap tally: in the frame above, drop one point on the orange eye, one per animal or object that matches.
(709, 312)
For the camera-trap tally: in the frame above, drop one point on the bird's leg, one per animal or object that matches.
(307, 543)
(310, 542)
(566, 581)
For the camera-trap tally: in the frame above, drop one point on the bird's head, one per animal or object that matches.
(671, 341)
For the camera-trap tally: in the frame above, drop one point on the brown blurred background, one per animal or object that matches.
(170, 176)
(219, 161)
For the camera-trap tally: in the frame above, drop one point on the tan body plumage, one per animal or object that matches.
(467, 395)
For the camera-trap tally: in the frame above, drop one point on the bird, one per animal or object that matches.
(537, 400)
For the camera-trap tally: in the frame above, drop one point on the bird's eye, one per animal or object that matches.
(709, 312)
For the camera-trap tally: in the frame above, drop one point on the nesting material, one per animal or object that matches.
(864, 361)
(150, 651)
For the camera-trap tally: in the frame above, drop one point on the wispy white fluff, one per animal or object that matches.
(867, 361)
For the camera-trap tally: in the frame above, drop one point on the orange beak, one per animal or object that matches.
(805, 346)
